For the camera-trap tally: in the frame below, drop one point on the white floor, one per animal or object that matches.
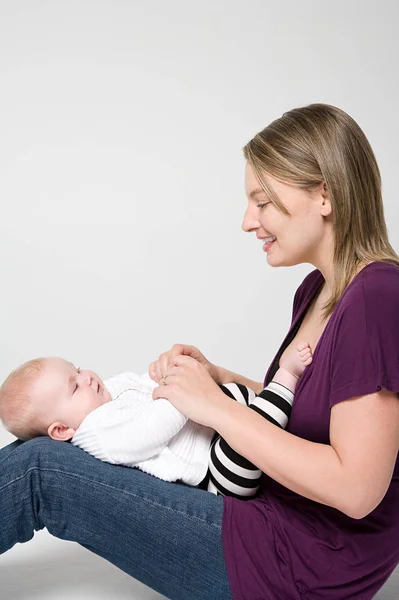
(49, 569)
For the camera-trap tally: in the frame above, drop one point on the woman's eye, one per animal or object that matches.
(262, 205)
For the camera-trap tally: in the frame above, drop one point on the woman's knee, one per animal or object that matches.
(19, 481)
(45, 453)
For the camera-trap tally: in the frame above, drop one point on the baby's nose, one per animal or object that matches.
(88, 379)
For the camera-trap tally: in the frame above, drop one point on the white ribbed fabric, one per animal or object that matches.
(136, 431)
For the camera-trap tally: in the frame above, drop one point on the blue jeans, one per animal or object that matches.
(167, 535)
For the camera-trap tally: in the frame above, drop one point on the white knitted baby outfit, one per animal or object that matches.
(136, 431)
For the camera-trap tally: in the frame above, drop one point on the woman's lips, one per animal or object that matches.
(267, 246)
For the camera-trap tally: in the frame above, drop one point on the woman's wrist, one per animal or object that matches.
(225, 376)
(221, 409)
(217, 373)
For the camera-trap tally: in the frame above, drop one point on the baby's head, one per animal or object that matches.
(49, 396)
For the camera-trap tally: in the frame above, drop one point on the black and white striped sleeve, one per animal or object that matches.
(230, 474)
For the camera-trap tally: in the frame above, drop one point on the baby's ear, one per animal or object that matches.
(59, 431)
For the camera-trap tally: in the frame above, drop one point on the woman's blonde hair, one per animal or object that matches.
(321, 144)
(17, 412)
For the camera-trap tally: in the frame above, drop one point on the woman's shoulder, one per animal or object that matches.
(363, 334)
(384, 274)
(372, 298)
(375, 282)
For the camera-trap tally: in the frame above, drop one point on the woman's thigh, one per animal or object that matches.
(167, 535)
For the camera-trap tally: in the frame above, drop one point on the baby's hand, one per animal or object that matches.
(297, 360)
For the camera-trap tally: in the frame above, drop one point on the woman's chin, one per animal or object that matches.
(277, 260)
(274, 261)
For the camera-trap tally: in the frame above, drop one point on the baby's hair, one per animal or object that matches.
(16, 409)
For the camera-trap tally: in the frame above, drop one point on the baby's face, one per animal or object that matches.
(66, 395)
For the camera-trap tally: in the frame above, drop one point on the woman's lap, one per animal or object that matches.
(164, 534)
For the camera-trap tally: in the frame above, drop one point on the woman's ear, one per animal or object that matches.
(325, 207)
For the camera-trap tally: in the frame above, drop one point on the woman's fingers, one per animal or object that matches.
(159, 368)
(154, 371)
(151, 371)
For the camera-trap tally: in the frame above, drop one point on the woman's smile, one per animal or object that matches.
(268, 244)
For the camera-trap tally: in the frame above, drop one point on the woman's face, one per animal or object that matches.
(301, 236)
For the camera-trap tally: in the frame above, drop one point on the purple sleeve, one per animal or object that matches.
(365, 353)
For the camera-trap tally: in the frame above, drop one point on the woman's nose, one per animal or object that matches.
(249, 223)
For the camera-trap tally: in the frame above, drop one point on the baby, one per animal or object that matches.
(118, 422)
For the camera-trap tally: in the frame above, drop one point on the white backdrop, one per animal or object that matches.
(121, 187)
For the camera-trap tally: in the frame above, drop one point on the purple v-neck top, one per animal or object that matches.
(283, 546)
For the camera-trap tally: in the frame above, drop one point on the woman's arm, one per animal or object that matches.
(352, 474)
(225, 376)
(159, 367)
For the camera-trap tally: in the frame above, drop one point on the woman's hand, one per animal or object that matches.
(159, 368)
(188, 385)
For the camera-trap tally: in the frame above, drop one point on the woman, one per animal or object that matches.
(326, 523)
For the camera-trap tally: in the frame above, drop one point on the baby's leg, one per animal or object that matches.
(230, 474)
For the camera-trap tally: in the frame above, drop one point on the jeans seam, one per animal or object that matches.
(151, 502)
